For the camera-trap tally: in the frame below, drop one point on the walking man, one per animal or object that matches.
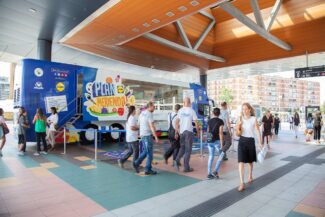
(185, 117)
(227, 135)
(147, 131)
(174, 142)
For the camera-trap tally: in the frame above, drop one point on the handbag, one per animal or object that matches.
(261, 155)
(56, 126)
(5, 128)
(239, 128)
(210, 135)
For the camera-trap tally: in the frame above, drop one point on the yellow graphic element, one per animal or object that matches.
(49, 165)
(89, 167)
(131, 100)
(60, 86)
(120, 89)
(110, 101)
(109, 80)
(11, 181)
(82, 158)
(40, 171)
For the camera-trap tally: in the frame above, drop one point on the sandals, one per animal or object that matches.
(250, 181)
(241, 187)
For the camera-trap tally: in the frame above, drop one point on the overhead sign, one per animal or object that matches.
(307, 72)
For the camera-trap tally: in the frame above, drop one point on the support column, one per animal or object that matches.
(12, 80)
(44, 49)
(203, 78)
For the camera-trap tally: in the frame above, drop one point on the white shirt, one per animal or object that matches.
(53, 120)
(172, 117)
(248, 127)
(2, 120)
(131, 135)
(224, 115)
(145, 119)
(186, 116)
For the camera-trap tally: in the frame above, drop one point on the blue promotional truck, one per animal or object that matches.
(86, 99)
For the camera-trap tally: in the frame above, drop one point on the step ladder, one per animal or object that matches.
(71, 121)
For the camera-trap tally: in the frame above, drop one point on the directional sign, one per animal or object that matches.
(307, 72)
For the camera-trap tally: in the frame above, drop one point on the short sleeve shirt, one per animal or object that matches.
(172, 116)
(131, 135)
(267, 123)
(145, 119)
(186, 116)
(214, 126)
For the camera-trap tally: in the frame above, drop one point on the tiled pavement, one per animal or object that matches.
(73, 185)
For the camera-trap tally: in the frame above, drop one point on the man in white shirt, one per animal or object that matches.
(227, 135)
(174, 143)
(147, 131)
(185, 117)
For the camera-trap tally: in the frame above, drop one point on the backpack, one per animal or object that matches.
(171, 129)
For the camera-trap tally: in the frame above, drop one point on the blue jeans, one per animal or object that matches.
(212, 147)
(147, 144)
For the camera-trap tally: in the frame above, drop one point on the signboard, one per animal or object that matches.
(307, 72)
(107, 98)
(189, 94)
(59, 102)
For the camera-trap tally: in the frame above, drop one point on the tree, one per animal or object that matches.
(226, 95)
(322, 107)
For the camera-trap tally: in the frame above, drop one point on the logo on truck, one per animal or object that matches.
(108, 98)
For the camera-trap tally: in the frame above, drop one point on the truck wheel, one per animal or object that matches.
(88, 137)
(114, 137)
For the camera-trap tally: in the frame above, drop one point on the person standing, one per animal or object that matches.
(131, 137)
(147, 131)
(3, 129)
(173, 139)
(246, 128)
(185, 117)
(227, 134)
(277, 122)
(291, 122)
(267, 122)
(215, 129)
(40, 130)
(296, 122)
(23, 124)
(318, 123)
(52, 121)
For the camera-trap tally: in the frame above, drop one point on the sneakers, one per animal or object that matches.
(215, 175)
(151, 172)
(120, 163)
(210, 176)
(36, 154)
(176, 165)
(44, 152)
(136, 168)
(188, 170)
(21, 153)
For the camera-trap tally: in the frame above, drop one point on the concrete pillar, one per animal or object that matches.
(44, 49)
(12, 80)
(203, 78)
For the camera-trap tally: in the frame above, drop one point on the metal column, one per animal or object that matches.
(44, 49)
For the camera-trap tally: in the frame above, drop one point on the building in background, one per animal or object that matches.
(271, 92)
(4, 88)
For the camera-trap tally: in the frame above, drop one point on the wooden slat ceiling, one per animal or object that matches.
(229, 38)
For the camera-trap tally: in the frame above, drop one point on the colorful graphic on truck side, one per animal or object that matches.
(107, 98)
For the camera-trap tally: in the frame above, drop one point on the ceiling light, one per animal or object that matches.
(32, 10)
(182, 8)
(146, 24)
(136, 30)
(155, 21)
(194, 3)
(170, 14)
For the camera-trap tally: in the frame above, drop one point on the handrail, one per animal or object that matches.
(69, 104)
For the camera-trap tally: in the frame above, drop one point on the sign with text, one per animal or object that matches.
(307, 72)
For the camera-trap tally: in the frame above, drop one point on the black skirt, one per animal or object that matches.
(246, 150)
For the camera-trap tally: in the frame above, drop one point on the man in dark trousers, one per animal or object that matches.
(174, 142)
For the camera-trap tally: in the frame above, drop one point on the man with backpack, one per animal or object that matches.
(174, 142)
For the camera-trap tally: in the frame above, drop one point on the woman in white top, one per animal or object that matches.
(246, 128)
(2, 133)
(131, 137)
(52, 121)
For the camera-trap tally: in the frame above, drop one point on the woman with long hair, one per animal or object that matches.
(246, 129)
(296, 123)
(131, 137)
(23, 124)
(2, 131)
(52, 121)
(40, 130)
(318, 123)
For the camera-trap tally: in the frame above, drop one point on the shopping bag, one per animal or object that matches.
(261, 155)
